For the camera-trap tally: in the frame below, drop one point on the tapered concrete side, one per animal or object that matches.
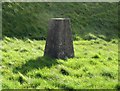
(59, 42)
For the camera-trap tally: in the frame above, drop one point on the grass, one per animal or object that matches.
(95, 33)
(95, 65)
(31, 19)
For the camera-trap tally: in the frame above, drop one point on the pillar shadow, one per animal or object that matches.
(38, 63)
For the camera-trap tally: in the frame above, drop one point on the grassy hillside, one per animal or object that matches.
(95, 33)
(31, 19)
(95, 66)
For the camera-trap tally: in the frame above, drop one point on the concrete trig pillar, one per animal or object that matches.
(59, 43)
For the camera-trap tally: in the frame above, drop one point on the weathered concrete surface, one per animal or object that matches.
(59, 42)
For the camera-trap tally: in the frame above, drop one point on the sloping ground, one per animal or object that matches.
(95, 65)
(31, 19)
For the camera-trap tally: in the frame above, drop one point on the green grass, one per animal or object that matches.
(95, 33)
(95, 65)
(31, 19)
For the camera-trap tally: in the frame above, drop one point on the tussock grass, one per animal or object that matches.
(88, 20)
(95, 65)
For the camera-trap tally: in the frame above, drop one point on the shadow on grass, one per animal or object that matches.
(38, 63)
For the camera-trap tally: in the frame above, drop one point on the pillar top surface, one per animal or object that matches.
(60, 18)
